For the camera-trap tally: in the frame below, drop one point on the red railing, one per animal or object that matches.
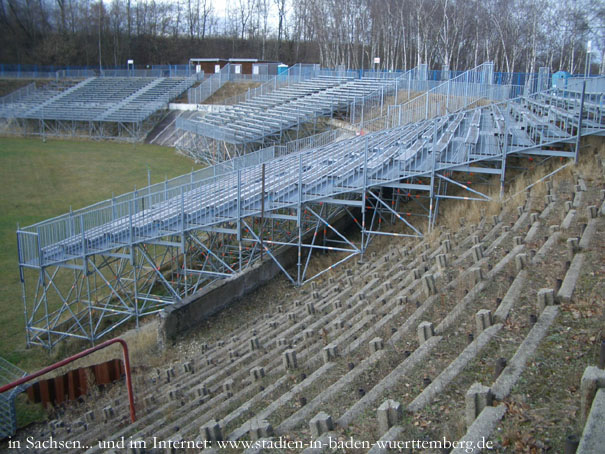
(78, 356)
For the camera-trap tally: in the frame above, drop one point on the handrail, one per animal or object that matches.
(38, 236)
(78, 356)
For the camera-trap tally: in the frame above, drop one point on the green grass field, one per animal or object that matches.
(42, 180)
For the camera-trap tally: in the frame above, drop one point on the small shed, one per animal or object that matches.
(239, 65)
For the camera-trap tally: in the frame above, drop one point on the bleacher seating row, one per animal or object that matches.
(99, 99)
(392, 154)
(282, 109)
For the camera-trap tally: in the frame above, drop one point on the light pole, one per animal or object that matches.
(588, 52)
(100, 12)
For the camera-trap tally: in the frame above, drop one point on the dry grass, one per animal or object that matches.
(230, 89)
(472, 213)
(142, 348)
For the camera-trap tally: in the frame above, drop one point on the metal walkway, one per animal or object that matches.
(97, 268)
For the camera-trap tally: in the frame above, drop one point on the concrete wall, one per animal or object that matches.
(179, 318)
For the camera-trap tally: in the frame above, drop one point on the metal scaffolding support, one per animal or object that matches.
(87, 272)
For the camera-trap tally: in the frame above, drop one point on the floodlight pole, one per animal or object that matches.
(100, 64)
(579, 136)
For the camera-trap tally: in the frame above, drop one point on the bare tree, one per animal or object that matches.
(515, 34)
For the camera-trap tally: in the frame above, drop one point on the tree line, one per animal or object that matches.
(517, 35)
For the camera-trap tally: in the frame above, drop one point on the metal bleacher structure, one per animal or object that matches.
(88, 271)
(281, 109)
(99, 107)
(290, 105)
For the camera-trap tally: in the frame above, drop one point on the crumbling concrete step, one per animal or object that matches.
(487, 239)
(496, 242)
(511, 297)
(310, 408)
(460, 307)
(196, 422)
(511, 373)
(566, 224)
(533, 231)
(577, 200)
(489, 236)
(323, 441)
(480, 430)
(546, 247)
(282, 400)
(546, 212)
(388, 382)
(375, 328)
(428, 303)
(392, 435)
(505, 261)
(454, 368)
(571, 278)
(593, 436)
(520, 221)
(589, 232)
(413, 319)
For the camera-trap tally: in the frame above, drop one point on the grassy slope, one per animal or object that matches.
(41, 180)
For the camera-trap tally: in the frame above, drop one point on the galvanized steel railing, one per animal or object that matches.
(169, 185)
(209, 86)
(141, 209)
(130, 212)
(446, 97)
(296, 109)
(594, 84)
(133, 101)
